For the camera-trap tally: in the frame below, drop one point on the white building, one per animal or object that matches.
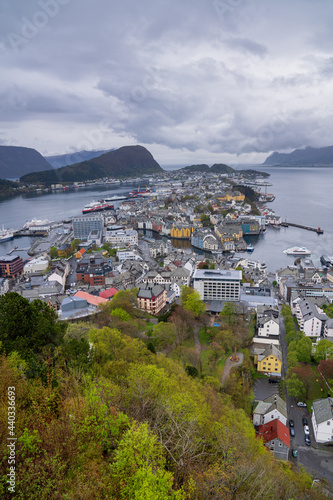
(271, 408)
(122, 237)
(217, 284)
(37, 265)
(311, 319)
(322, 420)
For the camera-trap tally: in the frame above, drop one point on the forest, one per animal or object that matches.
(124, 407)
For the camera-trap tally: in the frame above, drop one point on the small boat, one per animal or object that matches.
(6, 234)
(249, 248)
(114, 198)
(297, 251)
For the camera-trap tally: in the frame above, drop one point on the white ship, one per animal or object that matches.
(6, 234)
(297, 251)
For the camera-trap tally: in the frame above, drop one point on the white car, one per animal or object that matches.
(306, 430)
(301, 404)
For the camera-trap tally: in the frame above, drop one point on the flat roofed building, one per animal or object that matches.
(218, 284)
(11, 266)
(83, 226)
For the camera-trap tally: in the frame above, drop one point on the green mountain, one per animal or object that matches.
(128, 161)
(306, 157)
(221, 168)
(16, 161)
(196, 168)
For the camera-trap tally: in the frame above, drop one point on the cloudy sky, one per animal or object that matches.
(192, 80)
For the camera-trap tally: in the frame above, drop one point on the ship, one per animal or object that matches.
(297, 251)
(139, 192)
(97, 206)
(114, 198)
(326, 260)
(6, 234)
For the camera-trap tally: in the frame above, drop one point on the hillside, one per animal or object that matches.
(306, 157)
(221, 168)
(58, 161)
(16, 161)
(128, 161)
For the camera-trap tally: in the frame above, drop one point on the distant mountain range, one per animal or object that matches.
(58, 161)
(221, 168)
(16, 161)
(306, 157)
(128, 161)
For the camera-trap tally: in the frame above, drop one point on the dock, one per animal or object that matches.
(12, 250)
(317, 230)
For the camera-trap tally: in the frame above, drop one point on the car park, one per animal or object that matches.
(294, 452)
(306, 430)
(307, 440)
(292, 431)
(304, 421)
(301, 404)
(291, 423)
(273, 381)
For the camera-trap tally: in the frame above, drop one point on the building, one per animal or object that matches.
(269, 360)
(152, 299)
(181, 231)
(217, 284)
(273, 407)
(322, 420)
(121, 237)
(276, 438)
(94, 271)
(311, 319)
(38, 265)
(82, 226)
(11, 266)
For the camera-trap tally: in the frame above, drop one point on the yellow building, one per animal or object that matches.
(181, 231)
(269, 361)
(230, 232)
(229, 196)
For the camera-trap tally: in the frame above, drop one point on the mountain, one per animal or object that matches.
(58, 161)
(128, 161)
(306, 157)
(196, 168)
(221, 168)
(16, 161)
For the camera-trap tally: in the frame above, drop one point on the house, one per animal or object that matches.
(109, 293)
(268, 360)
(92, 300)
(322, 420)
(276, 438)
(273, 407)
(311, 319)
(267, 325)
(37, 265)
(75, 308)
(152, 298)
(11, 266)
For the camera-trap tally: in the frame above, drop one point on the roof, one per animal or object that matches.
(110, 292)
(271, 350)
(323, 410)
(277, 403)
(274, 430)
(91, 299)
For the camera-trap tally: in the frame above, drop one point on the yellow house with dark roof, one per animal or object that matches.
(229, 196)
(181, 231)
(269, 360)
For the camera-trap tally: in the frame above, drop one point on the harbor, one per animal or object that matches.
(301, 226)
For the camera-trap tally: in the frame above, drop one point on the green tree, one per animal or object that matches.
(53, 252)
(120, 313)
(304, 349)
(323, 350)
(163, 335)
(139, 465)
(295, 386)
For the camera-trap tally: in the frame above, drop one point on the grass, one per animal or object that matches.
(204, 337)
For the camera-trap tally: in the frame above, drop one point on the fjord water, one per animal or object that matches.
(302, 195)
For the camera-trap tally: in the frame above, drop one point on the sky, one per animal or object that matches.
(194, 81)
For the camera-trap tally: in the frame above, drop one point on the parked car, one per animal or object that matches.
(304, 421)
(273, 381)
(301, 404)
(307, 440)
(291, 423)
(292, 431)
(306, 430)
(294, 452)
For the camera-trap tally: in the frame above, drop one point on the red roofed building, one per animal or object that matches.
(276, 437)
(92, 300)
(109, 293)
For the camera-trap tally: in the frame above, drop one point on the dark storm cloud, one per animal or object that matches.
(222, 76)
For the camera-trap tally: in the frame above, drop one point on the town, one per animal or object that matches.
(186, 230)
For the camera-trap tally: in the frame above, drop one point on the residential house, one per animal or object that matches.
(276, 438)
(152, 299)
(311, 319)
(268, 360)
(322, 420)
(273, 407)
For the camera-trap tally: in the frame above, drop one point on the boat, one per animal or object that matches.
(326, 260)
(114, 198)
(96, 206)
(6, 234)
(297, 251)
(249, 248)
(139, 192)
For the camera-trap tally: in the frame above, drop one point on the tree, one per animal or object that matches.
(295, 386)
(323, 350)
(190, 299)
(75, 244)
(120, 313)
(304, 349)
(53, 252)
(163, 335)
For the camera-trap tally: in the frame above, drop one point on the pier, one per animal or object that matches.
(317, 230)
(12, 250)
